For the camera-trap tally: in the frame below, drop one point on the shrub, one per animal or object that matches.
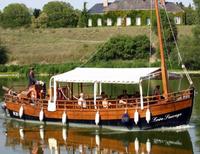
(3, 54)
(124, 48)
(15, 15)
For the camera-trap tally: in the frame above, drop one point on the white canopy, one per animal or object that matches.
(105, 75)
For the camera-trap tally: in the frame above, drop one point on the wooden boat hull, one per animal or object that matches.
(163, 114)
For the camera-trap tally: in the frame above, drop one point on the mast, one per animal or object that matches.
(162, 57)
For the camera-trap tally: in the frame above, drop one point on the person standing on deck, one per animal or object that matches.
(31, 77)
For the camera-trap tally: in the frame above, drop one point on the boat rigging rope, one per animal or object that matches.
(150, 51)
(177, 48)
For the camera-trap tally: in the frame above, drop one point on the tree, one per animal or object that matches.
(124, 48)
(168, 37)
(197, 6)
(15, 15)
(36, 13)
(190, 15)
(83, 17)
(60, 14)
(3, 54)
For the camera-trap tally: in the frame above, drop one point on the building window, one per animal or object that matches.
(177, 20)
(148, 21)
(128, 21)
(109, 22)
(99, 22)
(138, 21)
(119, 21)
(89, 22)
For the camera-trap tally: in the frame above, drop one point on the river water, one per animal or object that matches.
(18, 137)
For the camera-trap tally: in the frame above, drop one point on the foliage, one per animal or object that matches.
(3, 54)
(190, 47)
(83, 17)
(60, 14)
(15, 15)
(190, 15)
(124, 47)
(113, 15)
(36, 13)
(40, 22)
(197, 6)
(168, 37)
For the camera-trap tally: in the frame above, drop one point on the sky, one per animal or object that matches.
(78, 4)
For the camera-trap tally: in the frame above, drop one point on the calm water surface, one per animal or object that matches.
(21, 138)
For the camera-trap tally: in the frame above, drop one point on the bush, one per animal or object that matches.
(124, 48)
(15, 15)
(3, 54)
(60, 14)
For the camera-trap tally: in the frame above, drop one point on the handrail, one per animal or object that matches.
(113, 103)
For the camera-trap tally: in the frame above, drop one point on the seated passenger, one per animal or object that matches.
(124, 95)
(122, 102)
(105, 102)
(82, 101)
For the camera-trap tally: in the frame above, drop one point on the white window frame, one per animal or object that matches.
(89, 22)
(119, 21)
(138, 21)
(148, 21)
(128, 21)
(99, 22)
(177, 20)
(109, 22)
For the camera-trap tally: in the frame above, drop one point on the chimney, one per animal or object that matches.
(162, 2)
(105, 3)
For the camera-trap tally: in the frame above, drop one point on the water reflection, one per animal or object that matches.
(53, 139)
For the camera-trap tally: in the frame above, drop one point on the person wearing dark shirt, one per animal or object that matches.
(31, 77)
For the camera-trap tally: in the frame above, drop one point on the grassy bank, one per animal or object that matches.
(64, 45)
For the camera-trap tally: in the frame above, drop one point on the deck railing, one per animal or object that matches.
(113, 103)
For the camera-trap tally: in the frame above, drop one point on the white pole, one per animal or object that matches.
(141, 95)
(55, 91)
(95, 94)
(100, 88)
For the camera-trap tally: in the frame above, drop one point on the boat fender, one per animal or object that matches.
(148, 115)
(136, 145)
(21, 110)
(64, 134)
(125, 118)
(64, 118)
(97, 118)
(41, 115)
(136, 117)
(148, 146)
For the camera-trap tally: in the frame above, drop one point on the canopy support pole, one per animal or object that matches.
(100, 88)
(141, 95)
(52, 102)
(95, 94)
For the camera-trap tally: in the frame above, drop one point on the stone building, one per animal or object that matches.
(130, 12)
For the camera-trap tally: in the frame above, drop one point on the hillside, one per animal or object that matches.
(28, 46)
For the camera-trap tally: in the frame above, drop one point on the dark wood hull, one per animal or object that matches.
(163, 114)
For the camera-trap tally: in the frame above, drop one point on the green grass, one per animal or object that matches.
(63, 45)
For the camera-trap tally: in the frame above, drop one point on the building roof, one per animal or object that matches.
(124, 5)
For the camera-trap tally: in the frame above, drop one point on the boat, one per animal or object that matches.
(75, 140)
(64, 105)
